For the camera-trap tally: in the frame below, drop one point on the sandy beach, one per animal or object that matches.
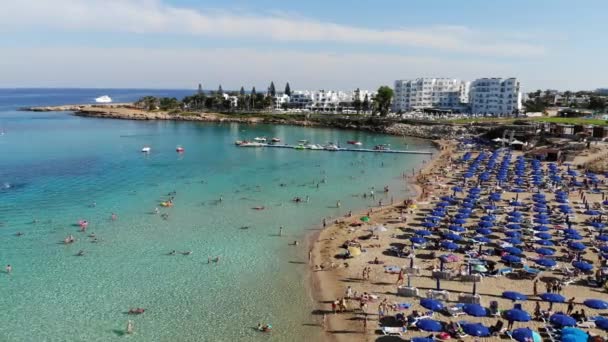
(332, 279)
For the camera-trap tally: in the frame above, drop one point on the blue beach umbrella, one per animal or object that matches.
(517, 315)
(476, 329)
(540, 228)
(429, 224)
(544, 236)
(484, 231)
(577, 246)
(460, 221)
(512, 295)
(562, 320)
(422, 339)
(602, 323)
(475, 310)
(583, 266)
(544, 242)
(513, 250)
(452, 236)
(546, 262)
(485, 224)
(431, 304)
(456, 228)
(513, 234)
(482, 239)
(602, 238)
(423, 232)
(429, 325)
(418, 240)
(511, 258)
(513, 241)
(449, 245)
(597, 304)
(545, 251)
(525, 335)
(552, 297)
(513, 226)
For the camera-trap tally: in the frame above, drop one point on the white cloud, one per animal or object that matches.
(154, 16)
(232, 67)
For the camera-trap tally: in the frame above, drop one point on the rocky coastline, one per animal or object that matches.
(417, 129)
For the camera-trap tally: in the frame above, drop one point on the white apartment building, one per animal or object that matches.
(327, 100)
(425, 93)
(497, 96)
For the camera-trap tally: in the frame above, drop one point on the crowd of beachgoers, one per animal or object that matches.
(496, 246)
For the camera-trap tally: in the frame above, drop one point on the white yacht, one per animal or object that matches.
(103, 99)
(146, 149)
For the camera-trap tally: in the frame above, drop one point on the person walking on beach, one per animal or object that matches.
(534, 287)
(281, 231)
(309, 255)
(9, 269)
(324, 322)
(570, 306)
(400, 278)
(349, 292)
(130, 327)
(338, 204)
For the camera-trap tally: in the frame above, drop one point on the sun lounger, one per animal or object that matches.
(403, 306)
(455, 310)
(394, 330)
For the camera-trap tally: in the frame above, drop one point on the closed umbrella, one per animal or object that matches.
(512, 295)
(562, 320)
(475, 310)
(429, 325)
(597, 304)
(431, 304)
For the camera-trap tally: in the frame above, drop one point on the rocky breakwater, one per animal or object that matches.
(431, 131)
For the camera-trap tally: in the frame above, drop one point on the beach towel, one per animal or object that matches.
(402, 306)
(392, 269)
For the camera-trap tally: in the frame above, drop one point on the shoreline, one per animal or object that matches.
(324, 284)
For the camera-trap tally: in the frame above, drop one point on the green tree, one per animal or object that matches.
(271, 90)
(287, 89)
(148, 103)
(366, 105)
(169, 103)
(597, 103)
(383, 99)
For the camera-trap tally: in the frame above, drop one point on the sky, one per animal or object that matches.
(313, 44)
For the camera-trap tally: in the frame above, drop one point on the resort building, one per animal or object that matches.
(495, 96)
(326, 101)
(430, 93)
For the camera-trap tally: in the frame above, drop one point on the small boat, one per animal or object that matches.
(331, 147)
(179, 149)
(354, 142)
(146, 149)
(300, 147)
(276, 140)
(103, 99)
(382, 147)
(238, 142)
(314, 147)
(258, 139)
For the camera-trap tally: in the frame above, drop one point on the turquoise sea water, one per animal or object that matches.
(53, 166)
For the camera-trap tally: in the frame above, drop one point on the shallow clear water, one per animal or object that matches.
(53, 166)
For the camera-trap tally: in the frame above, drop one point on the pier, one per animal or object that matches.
(339, 149)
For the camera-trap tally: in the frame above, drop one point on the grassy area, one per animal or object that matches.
(572, 121)
(553, 119)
